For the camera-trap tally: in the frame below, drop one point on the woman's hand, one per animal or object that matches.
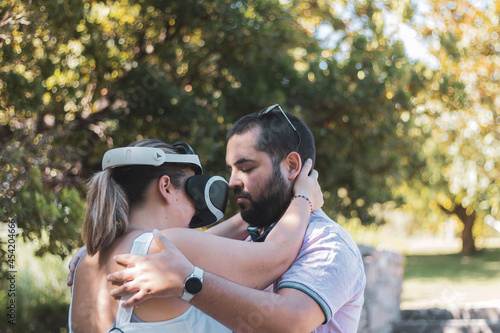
(307, 184)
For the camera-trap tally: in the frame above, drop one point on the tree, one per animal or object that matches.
(359, 97)
(459, 110)
(81, 77)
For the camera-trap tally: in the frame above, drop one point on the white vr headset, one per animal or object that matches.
(147, 156)
(209, 193)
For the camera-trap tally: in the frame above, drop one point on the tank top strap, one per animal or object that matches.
(72, 288)
(140, 246)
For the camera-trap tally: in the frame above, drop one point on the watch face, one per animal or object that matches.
(193, 285)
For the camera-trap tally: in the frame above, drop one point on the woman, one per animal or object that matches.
(127, 202)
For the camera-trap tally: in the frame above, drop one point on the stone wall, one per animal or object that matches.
(384, 280)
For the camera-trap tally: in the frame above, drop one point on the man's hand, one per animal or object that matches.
(72, 264)
(156, 275)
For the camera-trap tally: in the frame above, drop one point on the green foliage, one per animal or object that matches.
(42, 297)
(38, 210)
(81, 77)
(459, 112)
(360, 104)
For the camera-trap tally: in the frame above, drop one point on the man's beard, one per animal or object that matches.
(271, 204)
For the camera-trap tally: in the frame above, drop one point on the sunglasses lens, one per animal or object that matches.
(267, 110)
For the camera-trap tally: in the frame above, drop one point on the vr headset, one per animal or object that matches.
(209, 193)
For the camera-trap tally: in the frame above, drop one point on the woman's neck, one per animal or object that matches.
(147, 218)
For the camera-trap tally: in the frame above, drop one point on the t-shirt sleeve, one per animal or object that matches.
(327, 270)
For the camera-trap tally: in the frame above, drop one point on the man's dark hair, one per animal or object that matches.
(277, 137)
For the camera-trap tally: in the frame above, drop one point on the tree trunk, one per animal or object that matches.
(468, 245)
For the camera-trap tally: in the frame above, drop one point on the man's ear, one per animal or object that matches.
(293, 164)
(165, 187)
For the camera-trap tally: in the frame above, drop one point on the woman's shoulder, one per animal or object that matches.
(102, 262)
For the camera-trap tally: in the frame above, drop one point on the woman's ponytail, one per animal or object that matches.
(106, 217)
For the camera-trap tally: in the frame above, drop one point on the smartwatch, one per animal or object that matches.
(193, 284)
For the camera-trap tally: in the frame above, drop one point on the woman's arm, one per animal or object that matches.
(233, 228)
(254, 265)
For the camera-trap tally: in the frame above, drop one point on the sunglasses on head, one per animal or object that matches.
(277, 107)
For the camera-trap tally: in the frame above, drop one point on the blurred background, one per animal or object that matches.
(403, 98)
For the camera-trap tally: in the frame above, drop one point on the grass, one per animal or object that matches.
(484, 265)
(449, 280)
(436, 275)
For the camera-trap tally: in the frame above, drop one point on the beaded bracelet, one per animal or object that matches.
(303, 196)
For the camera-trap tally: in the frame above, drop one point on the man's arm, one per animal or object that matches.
(240, 308)
(246, 263)
(255, 265)
(244, 309)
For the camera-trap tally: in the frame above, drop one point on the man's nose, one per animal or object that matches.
(235, 181)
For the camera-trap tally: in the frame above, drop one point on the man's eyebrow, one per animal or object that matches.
(241, 161)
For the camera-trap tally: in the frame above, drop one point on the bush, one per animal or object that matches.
(41, 295)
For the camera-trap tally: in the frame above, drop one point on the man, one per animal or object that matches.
(323, 289)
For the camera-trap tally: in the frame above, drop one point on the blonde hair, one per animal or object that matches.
(113, 192)
(106, 217)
